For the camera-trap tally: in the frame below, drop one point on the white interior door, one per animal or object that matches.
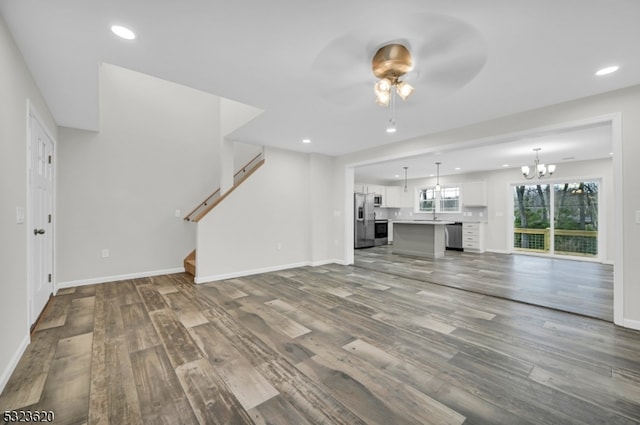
(41, 192)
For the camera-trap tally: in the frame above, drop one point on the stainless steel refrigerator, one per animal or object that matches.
(364, 220)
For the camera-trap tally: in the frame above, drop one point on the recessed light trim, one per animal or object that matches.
(123, 32)
(607, 70)
(306, 141)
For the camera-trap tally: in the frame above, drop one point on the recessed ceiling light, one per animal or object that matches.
(397, 176)
(505, 165)
(123, 32)
(607, 70)
(457, 168)
(307, 141)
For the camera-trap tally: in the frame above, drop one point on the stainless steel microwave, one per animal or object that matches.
(377, 200)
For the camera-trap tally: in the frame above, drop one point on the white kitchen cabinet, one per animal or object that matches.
(396, 197)
(373, 188)
(391, 197)
(368, 188)
(407, 198)
(474, 194)
(473, 237)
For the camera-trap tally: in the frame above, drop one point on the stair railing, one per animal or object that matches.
(216, 197)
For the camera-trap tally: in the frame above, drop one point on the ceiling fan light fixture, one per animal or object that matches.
(390, 63)
(383, 86)
(383, 98)
(404, 89)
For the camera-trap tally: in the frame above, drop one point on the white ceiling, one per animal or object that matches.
(583, 143)
(307, 64)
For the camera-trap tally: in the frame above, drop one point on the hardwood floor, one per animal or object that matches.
(580, 287)
(320, 345)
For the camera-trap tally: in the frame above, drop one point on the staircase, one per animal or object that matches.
(214, 199)
(190, 263)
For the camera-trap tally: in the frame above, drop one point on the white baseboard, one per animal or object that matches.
(105, 279)
(631, 324)
(6, 373)
(498, 251)
(242, 273)
(325, 262)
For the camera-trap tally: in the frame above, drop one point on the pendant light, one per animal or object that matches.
(537, 170)
(438, 176)
(405, 178)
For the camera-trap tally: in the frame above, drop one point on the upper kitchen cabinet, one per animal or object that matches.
(474, 194)
(368, 188)
(396, 197)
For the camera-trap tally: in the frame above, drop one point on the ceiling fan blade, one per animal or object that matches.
(341, 56)
(451, 55)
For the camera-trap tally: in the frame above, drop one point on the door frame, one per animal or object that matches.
(32, 112)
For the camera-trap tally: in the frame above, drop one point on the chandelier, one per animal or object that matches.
(389, 64)
(538, 170)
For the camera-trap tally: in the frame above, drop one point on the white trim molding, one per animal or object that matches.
(6, 374)
(631, 324)
(243, 273)
(117, 278)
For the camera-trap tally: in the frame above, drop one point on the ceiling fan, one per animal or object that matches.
(389, 64)
(436, 54)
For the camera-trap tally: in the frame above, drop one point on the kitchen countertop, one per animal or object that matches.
(433, 222)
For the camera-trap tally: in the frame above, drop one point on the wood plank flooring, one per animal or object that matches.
(575, 286)
(320, 345)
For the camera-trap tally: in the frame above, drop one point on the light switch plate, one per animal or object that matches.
(19, 215)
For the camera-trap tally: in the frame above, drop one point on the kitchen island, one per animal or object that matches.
(421, 238)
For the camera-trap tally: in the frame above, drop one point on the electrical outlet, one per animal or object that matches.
(105, 253)
(177, 212)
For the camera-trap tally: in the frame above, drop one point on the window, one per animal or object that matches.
(445, 200)
(427, 200)
(450, 199)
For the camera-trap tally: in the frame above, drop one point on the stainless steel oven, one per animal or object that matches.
(381, 232)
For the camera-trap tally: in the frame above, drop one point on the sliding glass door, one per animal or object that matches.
(576, 219)
(558, 219)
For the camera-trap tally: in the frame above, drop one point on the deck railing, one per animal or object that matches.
(566, 242)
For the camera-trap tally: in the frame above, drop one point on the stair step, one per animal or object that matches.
(190, 263)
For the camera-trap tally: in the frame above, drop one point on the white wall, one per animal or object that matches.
(16, 86)
(626, 201)
(274, 220)
(157, 151)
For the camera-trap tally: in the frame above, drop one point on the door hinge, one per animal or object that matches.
(49, 159)
(49, 218)
(49, 278)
